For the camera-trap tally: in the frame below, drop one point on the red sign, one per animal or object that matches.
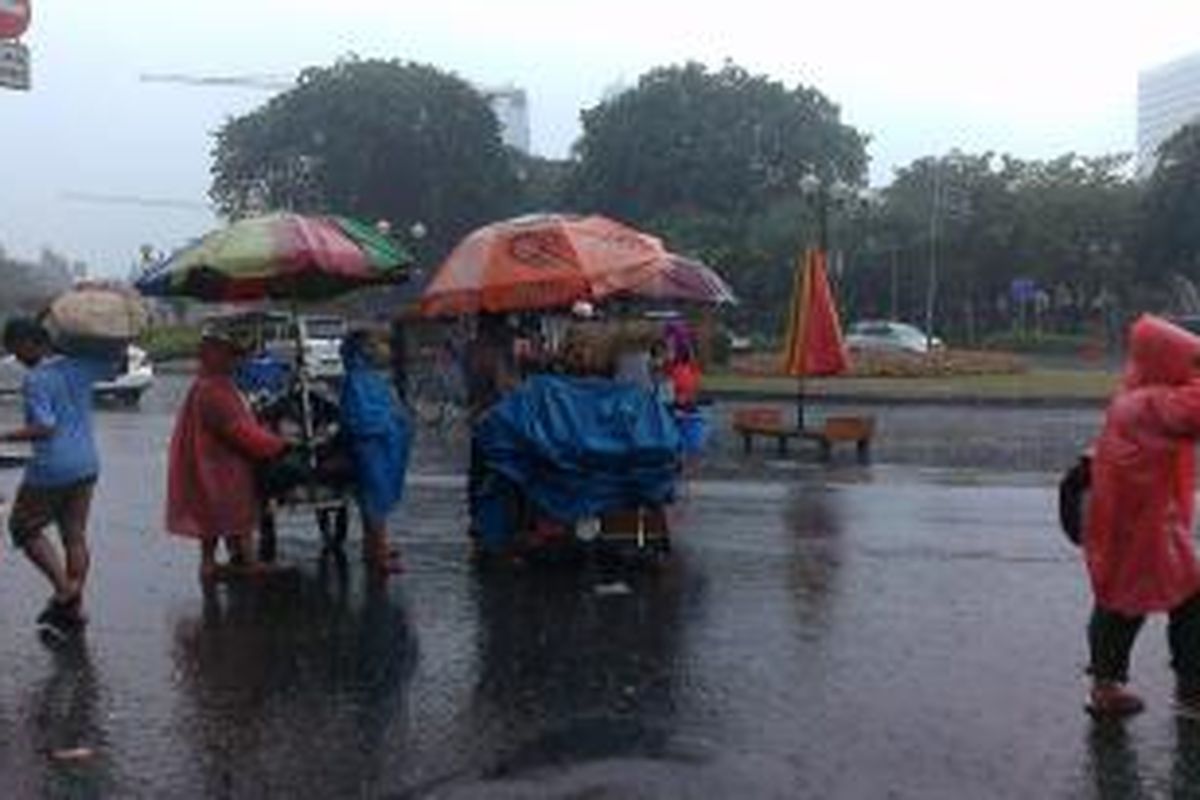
(14, 18)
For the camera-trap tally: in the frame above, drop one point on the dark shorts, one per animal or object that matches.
(39, 506)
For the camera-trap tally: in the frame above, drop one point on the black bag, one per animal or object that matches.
(1073, 490)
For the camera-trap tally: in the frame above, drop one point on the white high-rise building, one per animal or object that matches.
(511, 107)
(1168, 99)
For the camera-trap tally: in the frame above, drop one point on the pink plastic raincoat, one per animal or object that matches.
(1138, 529)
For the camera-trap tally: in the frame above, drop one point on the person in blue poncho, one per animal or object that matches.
(377, 431)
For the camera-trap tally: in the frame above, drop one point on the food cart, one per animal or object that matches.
(290, 260)
(573, 461)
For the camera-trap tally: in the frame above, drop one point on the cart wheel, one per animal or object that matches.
(266, 536)
(333, 523)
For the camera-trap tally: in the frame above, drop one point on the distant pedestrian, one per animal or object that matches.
(212, 487)
(61, 475)
(685, 378)
(377, 430)
(1138, 521)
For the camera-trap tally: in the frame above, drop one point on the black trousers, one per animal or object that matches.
(1111, 637)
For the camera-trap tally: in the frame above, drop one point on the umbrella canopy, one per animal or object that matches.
(541, 261)
(279, 256)
(814, 339)
(686, 281)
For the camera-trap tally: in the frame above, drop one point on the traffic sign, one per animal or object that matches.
(14, 18)
(14, 66)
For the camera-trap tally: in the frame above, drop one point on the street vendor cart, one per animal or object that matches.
(571, 463)
(289, 260)
(571, 459)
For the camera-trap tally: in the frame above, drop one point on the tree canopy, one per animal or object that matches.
(1170, 225)
(727, 142)
(713, 161)
(1065, 226)
(375, 139)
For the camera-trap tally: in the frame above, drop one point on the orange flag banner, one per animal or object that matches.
(814, 339)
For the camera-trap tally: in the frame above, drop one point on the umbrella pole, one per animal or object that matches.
(306, 418)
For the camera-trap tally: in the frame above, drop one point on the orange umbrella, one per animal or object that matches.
(541, 261)
(814, 339)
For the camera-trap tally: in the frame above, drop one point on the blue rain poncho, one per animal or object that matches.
(377, 431)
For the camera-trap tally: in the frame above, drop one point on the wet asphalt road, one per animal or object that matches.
(899, 630)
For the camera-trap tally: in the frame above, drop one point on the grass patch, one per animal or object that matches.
(1039, 384)
(1058, 344)
(877, 364)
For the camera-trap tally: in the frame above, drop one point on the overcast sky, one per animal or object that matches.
(1035, 79)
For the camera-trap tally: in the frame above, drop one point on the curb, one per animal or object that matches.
(907, 400)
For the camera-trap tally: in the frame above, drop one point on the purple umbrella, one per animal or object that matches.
(687, 281)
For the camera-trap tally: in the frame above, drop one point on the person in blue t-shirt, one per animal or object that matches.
(59, 478)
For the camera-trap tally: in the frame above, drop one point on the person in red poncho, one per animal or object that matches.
(211, 488)
(1138, 521)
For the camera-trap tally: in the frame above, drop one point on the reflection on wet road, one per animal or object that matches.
(897, 630)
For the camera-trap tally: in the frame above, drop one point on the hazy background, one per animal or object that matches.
(1032, 78)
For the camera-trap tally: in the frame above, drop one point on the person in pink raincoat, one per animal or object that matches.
(1138, 521)
(212, 493)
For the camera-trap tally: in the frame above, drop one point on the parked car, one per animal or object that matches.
(890, 336)
(129, 386)
(275, 334)
(126, 388)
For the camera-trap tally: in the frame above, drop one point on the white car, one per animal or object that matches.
(275, 333)
(126, 388)
(890, 336)
(130, 385)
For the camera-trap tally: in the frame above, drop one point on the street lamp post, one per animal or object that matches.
(820, 194)
(816, 192)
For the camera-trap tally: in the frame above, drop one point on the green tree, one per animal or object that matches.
(985, 220)
(374, 139)
(543, 182)
(1169, 236)
(713, 160)
(727, 142)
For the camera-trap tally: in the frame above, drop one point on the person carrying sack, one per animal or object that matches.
(60, 477)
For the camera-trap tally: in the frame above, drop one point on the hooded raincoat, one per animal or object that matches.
(377, 432)
(211, 486)
(1138, 529)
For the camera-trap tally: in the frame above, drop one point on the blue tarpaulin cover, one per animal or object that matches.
(577, 447)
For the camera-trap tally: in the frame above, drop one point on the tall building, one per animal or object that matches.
(1168, 99)
(511, 107)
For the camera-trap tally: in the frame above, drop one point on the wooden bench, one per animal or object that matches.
(768, 423)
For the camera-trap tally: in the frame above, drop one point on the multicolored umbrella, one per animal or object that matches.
(280, 256)
(685, 281)
(541, 261)
(814, 344)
